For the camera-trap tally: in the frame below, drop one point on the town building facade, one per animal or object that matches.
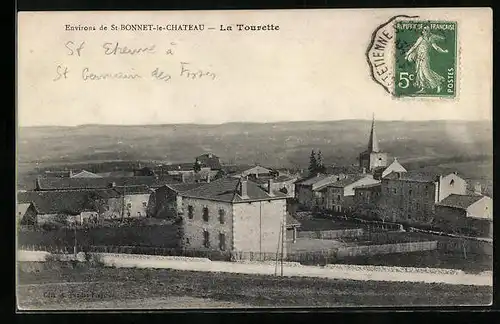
(233, 215)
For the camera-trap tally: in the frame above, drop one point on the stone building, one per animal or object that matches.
(340, 194)
(411, 197)
(234, 215)
(310, 192)
(366, 198)
(470, 214)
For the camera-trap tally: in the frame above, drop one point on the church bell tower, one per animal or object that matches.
(373, 157)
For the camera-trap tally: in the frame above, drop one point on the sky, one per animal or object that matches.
(312, 68)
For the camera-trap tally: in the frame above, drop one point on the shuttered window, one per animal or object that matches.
(206, 239)
(222, 241)
(222, 216)
(205, 214)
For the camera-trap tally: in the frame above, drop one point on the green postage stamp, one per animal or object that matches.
(412, 57)
(425, 58)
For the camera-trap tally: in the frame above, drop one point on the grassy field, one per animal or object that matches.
(47, 284)
(164, 236)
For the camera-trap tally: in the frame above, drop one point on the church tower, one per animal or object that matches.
(373, 157)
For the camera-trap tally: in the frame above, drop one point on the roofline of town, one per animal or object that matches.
(235, 202)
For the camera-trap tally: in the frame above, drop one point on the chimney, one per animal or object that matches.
(112, 184)
(270, 187)
(71, 173)
(478, 189)
(364, 170)
(183, 177)
(208, 178)
(242, 190)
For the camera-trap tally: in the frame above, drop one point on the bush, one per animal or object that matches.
(93, 260)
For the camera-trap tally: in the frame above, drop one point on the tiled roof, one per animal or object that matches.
(116, 174)
(284, 178)
(291, 222)
(226, 189)
(177, 167)
(236, 168)
(85, 174)
(64, 202)
(328, 180)
(101, 183)
(183, 187)
(459, 201)
(369, 186)
(348, 181)
(133, 190)
(413, 176)
(309, 181)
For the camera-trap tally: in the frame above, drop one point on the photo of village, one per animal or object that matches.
(357, 224)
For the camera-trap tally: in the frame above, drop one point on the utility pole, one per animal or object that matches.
(75, 243)
(277, 253)
(282, 245)
(123, 203)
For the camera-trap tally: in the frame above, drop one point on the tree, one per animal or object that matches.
(197, 166)
(320, 167)
(313, 163)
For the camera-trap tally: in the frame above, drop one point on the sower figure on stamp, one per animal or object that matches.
(425, 77)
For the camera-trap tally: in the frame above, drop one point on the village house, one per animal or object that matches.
(411, 196)
(256, 171)
(48, 184)
(339, 196)
(26, 214)
(124, 202)
(84, 174)
(64, 207)
(366, 198)
(470, 214)
(309, 193)
(234, 215)
(168, 199)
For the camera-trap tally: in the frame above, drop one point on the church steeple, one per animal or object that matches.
(373, 141)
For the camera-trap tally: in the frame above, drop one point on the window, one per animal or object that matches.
(190, 212)
(338, 197)
(222, 241)
(129, 205)
(452, 182)
(394, 190)
(144, 204)
(206, 239)
(205, 214)
(409, 192)
(222, 216)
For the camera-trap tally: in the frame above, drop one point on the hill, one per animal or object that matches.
(285, 144)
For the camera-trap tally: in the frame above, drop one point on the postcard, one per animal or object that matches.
(254, 159)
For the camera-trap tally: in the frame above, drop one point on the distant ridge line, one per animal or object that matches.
(258, 123)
